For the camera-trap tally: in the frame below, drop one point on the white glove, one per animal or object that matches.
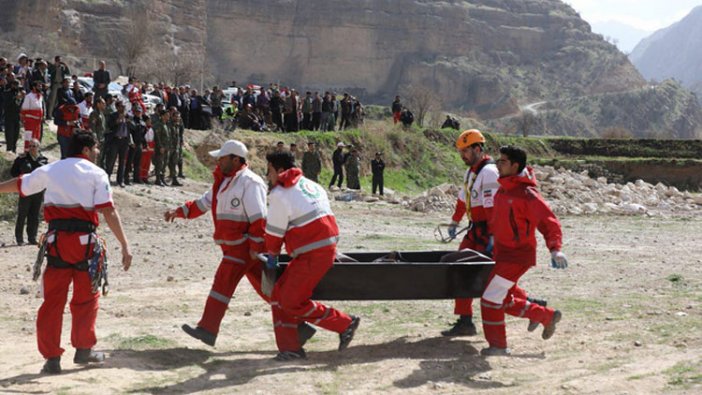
(558, 260)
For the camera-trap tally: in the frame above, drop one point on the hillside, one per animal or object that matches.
(481, 56)
(673, 52)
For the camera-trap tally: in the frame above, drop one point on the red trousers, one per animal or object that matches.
(396, 117)
(146, 162)
(291, 302)
(235, 263)
(502, 295)
(476, 239)
(84, 308)
(32, 120)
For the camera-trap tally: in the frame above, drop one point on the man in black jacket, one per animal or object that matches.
(117, 141)
(12, 101)
(101, 80)
(28, 206)
(378, 167)
(338, 158)
(137, 130)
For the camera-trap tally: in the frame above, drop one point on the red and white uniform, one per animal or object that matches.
(69, 113)
(135, 98)
(75, 189)
(519, 211)
(300, 217)
(238, 204)
(146, 154)
(32, 114)
(481, 183)
(86, 108)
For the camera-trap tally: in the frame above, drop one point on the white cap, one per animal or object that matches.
(22, 55)
(231, 147)
(340, 144)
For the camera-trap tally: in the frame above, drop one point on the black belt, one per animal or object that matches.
(56, 263)
(72, 225)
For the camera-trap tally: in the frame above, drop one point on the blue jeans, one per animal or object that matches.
(64, 144)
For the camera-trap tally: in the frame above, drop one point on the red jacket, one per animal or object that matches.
(519, 211)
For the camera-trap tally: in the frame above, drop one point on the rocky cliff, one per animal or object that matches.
(485, 57)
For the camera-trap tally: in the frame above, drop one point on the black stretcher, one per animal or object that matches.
(403, 275)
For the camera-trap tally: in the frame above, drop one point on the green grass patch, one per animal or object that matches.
(141, 342)
(685, 374)
(194, 169)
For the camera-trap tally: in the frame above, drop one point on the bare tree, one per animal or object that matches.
(421, 101)
(526, 123)
(130, 44)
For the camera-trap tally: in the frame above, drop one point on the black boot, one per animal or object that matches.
(305, 332)
(175, 183)
(52, 366)
(535, 324)
(159, 182)
(284, 356)
(85, 356)
(346, 336)
(463, 327)
(200, 334)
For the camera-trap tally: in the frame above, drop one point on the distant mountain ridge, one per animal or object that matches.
(673, 52)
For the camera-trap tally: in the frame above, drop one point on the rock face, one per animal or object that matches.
(485, 56)
(480, 55)
(673, 52)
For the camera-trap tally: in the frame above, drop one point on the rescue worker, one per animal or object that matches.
(519, 210)
(353, 169)
(32, 114)
(76, 191)
(28, 206)
(311, 162)
(162, 142)
(481, 180)
(67, 118)
(475, 202)
(238, 203)
(300, 216)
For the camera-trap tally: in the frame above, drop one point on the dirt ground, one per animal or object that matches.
(631, 302)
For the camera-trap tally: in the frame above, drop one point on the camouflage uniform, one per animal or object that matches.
(311, 165)
(162, 140)
(353, 170)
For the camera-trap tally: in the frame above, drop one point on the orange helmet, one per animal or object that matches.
(468, 138)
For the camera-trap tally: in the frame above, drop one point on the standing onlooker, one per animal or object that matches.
(316, 111)
(57, 72)
(28, 206)
(378, 167)
(396, 110)
(307, 111)
(147, 152)
(327, 119)
(137, 130)
(117, 143)
(162, 140)
(12, 101)
(353, 169)
(346, 107)
(338, 159)
(67, 118)
(291, 108)
(86, 108)
(311, 162)
(277, 106)
(98, 125)
(101, 81)
(174, 127)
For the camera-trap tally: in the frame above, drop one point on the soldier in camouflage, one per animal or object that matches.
(162, 140)
(311, 162)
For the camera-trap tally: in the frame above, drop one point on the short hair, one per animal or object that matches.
(281, 160)
(88, 94)
(36, 84)
(79, 141)
(515, 155)
(280, 143)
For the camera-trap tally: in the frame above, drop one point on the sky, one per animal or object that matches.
(629, 21)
